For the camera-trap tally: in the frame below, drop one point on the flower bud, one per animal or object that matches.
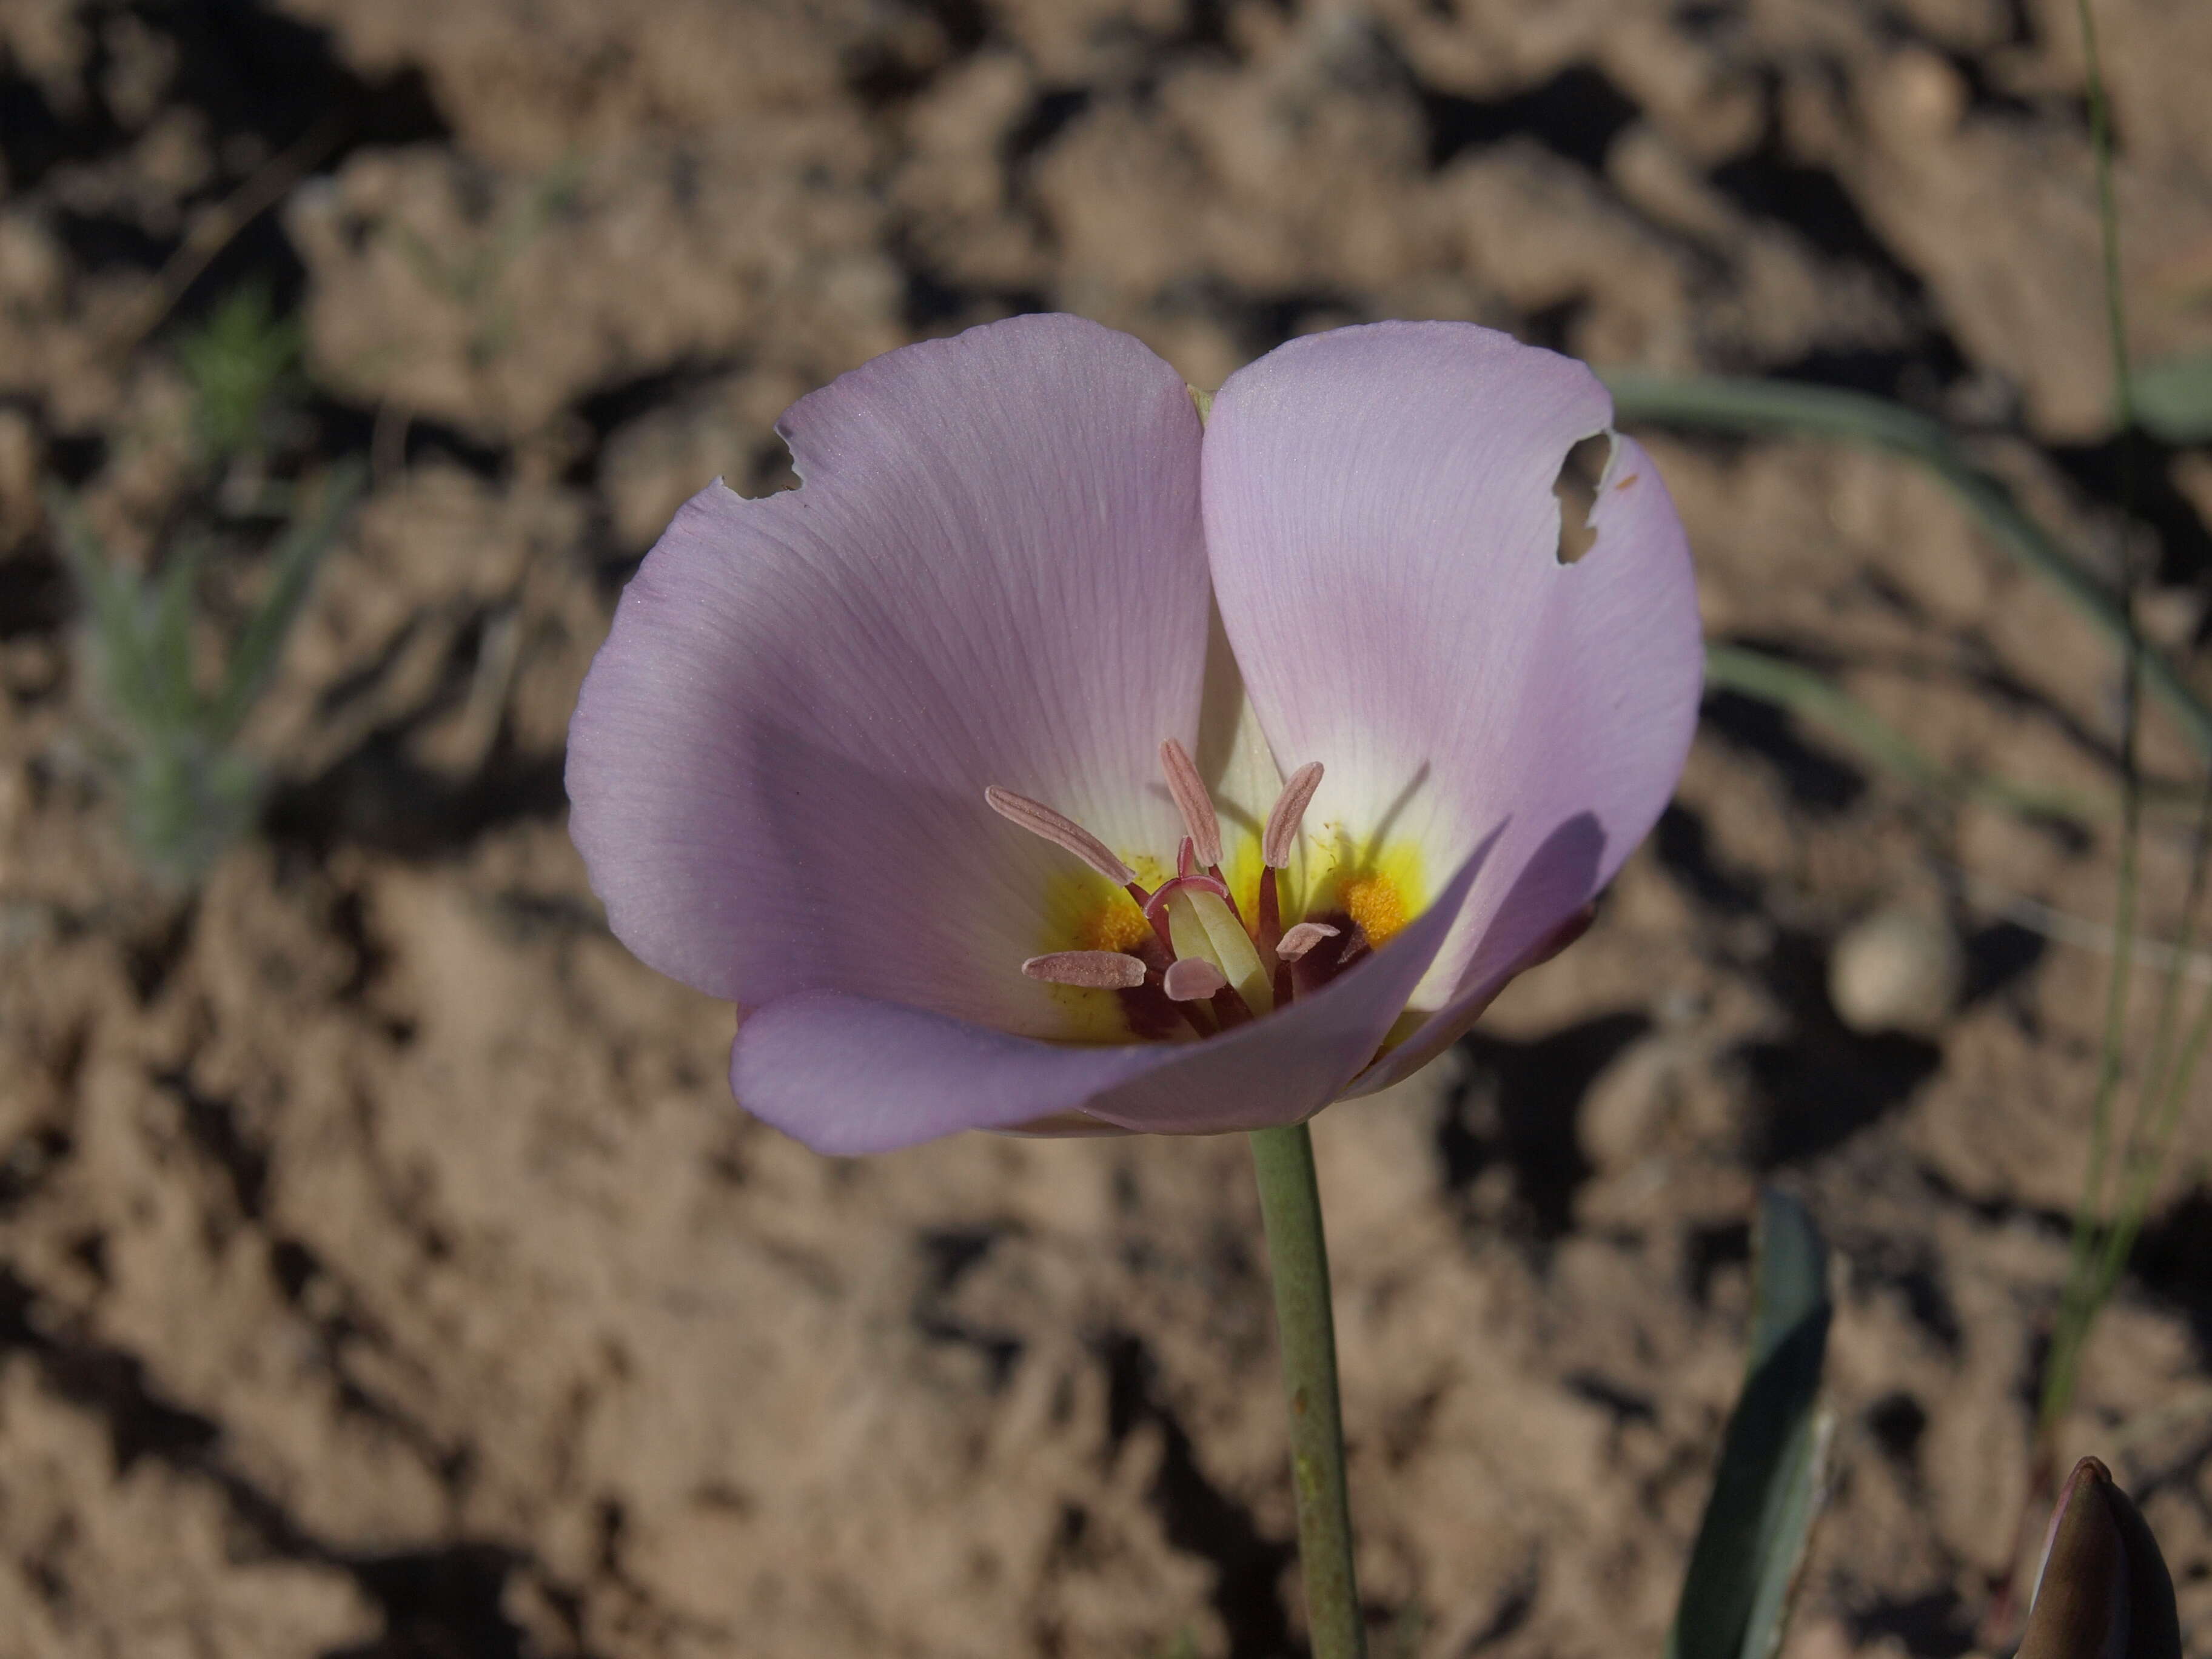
(2103, 1592)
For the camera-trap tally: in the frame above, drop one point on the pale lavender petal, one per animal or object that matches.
(1453, 1021)
(847, 1074)
(992, 574)
(1383, 535)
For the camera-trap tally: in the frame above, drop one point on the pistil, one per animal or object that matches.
(1204, 954)
(1157, 906)
(1201, 924)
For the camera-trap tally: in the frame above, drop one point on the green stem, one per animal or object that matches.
(1298, 1257)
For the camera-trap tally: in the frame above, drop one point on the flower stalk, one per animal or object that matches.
(1297, 1260)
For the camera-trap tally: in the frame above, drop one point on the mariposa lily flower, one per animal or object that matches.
(1054, 760)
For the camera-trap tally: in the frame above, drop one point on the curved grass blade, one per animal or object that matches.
(1771, 1478)
(1723, 405)
(1818, 701)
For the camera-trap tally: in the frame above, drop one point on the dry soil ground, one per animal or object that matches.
(383, 1269)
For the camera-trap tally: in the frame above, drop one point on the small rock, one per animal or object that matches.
(1922, 94)
(1896, 970)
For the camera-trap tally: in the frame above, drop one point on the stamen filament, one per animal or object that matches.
(1061, 831)
(1191, 800)
(1094, 970)
(1289, 816)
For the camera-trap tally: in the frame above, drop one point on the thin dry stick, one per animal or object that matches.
(268, 186)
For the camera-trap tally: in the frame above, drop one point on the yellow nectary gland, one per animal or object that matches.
(1116, 925)
(1377, 904)
(1202, 926)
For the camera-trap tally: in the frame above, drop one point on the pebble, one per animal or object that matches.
(1896, 970)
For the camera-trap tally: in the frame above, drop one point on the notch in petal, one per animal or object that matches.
(1383, 535)
(778, 759)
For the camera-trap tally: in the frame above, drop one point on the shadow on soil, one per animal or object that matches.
(1197, 1515)
(1518, 1105)
(1822, 1083)
(436, 1602)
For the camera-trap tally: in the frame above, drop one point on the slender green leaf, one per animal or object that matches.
(185, 804)
(1771, 1481)
(115, 606)
(293, 568)
(1802, 1488)
(186, 795)
(167, 639)
(1789, 1291)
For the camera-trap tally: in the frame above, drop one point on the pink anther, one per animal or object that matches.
(1094, 970)
(1191, 800)
(1062, 831)
(1289, 816)
(1192, 979)
(1296, 941)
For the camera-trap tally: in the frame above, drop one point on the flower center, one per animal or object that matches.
(1182, 955)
